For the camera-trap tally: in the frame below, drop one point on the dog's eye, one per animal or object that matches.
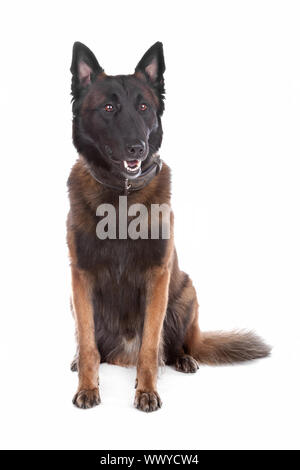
(109, 108)
(143, 107)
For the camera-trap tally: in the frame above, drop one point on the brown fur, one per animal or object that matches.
(89, 358)
(170, 333)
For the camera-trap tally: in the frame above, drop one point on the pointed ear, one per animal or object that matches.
(152, 64)
(84, 67)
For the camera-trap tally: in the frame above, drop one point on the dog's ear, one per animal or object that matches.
(152, 64)
(84, 68)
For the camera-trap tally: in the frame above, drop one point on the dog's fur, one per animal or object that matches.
(132, 304)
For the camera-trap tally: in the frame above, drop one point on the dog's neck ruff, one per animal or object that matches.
(128, 186)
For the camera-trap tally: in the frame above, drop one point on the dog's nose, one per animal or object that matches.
(136, 149)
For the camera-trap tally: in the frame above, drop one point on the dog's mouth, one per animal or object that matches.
(132, 166)
(129, 168)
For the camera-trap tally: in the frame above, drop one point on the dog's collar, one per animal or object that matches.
(127, 186)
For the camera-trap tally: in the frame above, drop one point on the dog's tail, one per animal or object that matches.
(227, 348)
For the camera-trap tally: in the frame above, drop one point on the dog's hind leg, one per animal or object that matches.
(181, 311)
(185, 343)
(186, 363)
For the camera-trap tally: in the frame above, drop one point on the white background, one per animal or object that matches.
(232, 139)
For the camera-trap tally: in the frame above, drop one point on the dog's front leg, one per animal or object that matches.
(146, 397)
(88, 356)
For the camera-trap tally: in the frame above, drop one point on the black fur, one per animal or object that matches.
(102, 137)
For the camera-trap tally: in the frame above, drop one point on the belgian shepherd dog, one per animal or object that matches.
(131, 302)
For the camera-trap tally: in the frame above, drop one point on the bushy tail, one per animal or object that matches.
(228, 348)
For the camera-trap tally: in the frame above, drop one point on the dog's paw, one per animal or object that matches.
(87, 398)
(147, 401)
(186, 364)
(74, 365)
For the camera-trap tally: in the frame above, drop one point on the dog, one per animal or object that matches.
(132, 304)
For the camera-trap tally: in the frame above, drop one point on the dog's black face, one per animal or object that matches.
(116, 123)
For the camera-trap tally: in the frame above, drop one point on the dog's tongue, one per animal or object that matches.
(132, 163)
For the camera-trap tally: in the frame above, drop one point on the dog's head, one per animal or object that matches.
(116, 119)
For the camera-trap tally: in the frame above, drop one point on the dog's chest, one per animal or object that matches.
(118, 256)
(119, 269)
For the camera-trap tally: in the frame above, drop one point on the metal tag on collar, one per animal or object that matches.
(126, 187)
